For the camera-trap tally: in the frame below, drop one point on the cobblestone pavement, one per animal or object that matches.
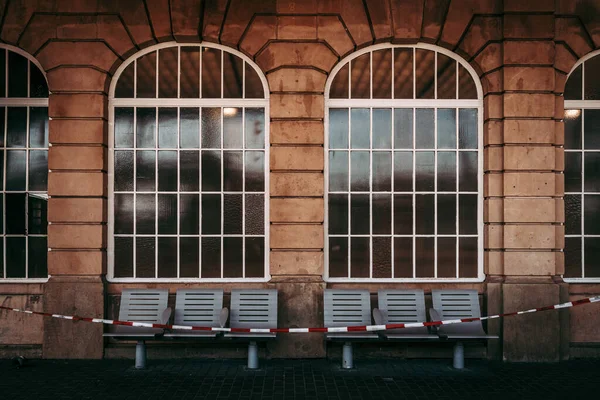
(298, 379)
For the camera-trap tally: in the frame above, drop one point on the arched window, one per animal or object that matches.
(23, 166)
(582, 171)
(404, 167)
(188, 166)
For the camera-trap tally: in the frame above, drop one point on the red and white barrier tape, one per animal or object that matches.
(363, 328)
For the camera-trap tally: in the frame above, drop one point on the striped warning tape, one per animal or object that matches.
(363, 328)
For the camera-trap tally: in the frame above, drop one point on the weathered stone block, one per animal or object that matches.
(278, 54)
(79, 105)
(529, 105)
(530, 158)
(61, 209)
(296, 263)
(297, 27)
(297, 184)
(70, 262)
(296, 236)
(78, 131)
(297, 106)
(531, 263)
(528, 26)
(78, 79)
(77, 158)
(529, 78)
(529, 131)
(19, 328)
(296, 210)
(530, 237)
(529, 52)
(530, 184)
(77, 183)
(297, 158)
(297, 132)
(297, 80)
(76, 236)
(530, 210)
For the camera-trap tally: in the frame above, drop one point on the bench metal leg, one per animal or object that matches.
(252, 355)
(140, 354)
(347, 361)
(458, 361)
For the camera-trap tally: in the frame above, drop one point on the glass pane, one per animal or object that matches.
(211, 171)
(467, 128)
(123, 127)
(338, 128)
(189, 214)
(359, 214)
(145, 171)
(403, 74)
(17, 75)
(145, 213)
(466, 84)
(38, 170)
(37, 214)
(189, 128)
(338, 171)
(124, 171)
(167, 128)
(211, 128)
(38, 127)
(403, 257)
(382, 214)
(38, 257)
(145, 253)
(255, 128)
(2, 94)
(446, 214)
(360, 128)
(211, 214)
(591, 216)
(573, 85)
(446, 77)
(591, 129)
(591, 91)
(211, 257)
(572, 172)
(467, 257)
(573, 129)
(15, 257)
(446, 125)
(123, 214)
(592, 172)
(146, 76)
(211, 73)
(125, 84)
(15, 214)
(232, 128)
(167, 171)
(573, 257)
(382, 171)
(123, 257)
(233, 257)
(339, 86)
(403, 171)
(360, 257)
(254, 86)
(403, 214)
(403, 128)
(360, 77)
(38, 87)
(146, 126)
(425, 131)
(382, 128)
(233, 171)
(190, 73)
(255, 257)
(1, 170)
(425, 71)
(446, 173)
(468, 179)
(15, 169)
(167, 78)
(338, 214)
(467, 212)
(592, 257)
(16, 132)
(189, 257)
(573, 214)
(167, 214)
(425, 171)
(382, 74)
(167, 257)
(232, 223)
(424, 257)
(189, 171)
(1, 226)
(446, 257)
(2, 116)
(359, 176)
(338, 257)
(382, 257)
(255, 171)
(233, 75)
(425, 215)
(255, 214)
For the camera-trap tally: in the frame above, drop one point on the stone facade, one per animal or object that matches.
(522, 51)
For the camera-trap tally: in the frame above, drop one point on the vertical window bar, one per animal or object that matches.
(4, 133)
(349, 235)
(134, 93)
(371, 76)
(414, 78)
(435, 181)
(583, 186)
(349, 96)
(178, 96)
(200, 78)
(393, 97)
(200, 180)
(6, 79)
(222, 79)
(414, 178)
(243, 89)
(435, 96)
(222, 173)
(457, 197)
(371, 178)
(393, 229)
(156, 178)
(178, 181)
(27, 144)
(457, 69)
(134, 239)
(244, 189)
(156, 92)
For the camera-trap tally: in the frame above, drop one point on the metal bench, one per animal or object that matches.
(253, 308)
(198, 307)
(457, 304)
(401, 307)
(347, 307)
(141, 305)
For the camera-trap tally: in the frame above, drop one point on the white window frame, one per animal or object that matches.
(408, 103)
(180, 103)
(22, 102)
(581, 105)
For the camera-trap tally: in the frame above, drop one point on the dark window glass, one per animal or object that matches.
(359, 214)
(573, 129)
(403, 171)
(16, 130)
(360, 257)
(17, 75)
(123, 257)
(233, 75)
(167, 257)
(573, 257)
(145, 213)
(15, 257)
(2, 78)
(124, 88)
(573, 214)
(403, 257)
(189, 214)
(339, 86)
(467, 214)
(425, 73)
(189, 79)
(467, 257)
(211, 257)
(189, 171)
(233, 257)
(38, 170)
(38, 257)
(338, 214)
(146, 128)
(211, 73)
(382, 214)
(211, 214)
(38, 127)
(592, 257)
(211, 171)
(382, 171)
(591, 128)
(146, 76)
(124, 171)
(123, 127)
(189, 257)
(123, 214)
(592, 172)
(573, 85)
(591, 216)
(254, 86)
(167, 128)
(16, 170)
(446, 173)
(38, 87)
(591, 91)
(403, 214)
(37, 214)
(466, 84)
(255, 257)
(425, 214)
(167, 73)
(233, 162)
(572, 172)
(255, 214)
(446, 257)
(382, 257)
(338, 257)
(425, 171)
(232, 210)
(167, 171)
(145, 174)
(167, 214)
(382, 78)
(446, 214)
(255, 171)
(145, 252)
(16, 218)
(360, 77)
(403, 73)
(424, 257)
(467, 167)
